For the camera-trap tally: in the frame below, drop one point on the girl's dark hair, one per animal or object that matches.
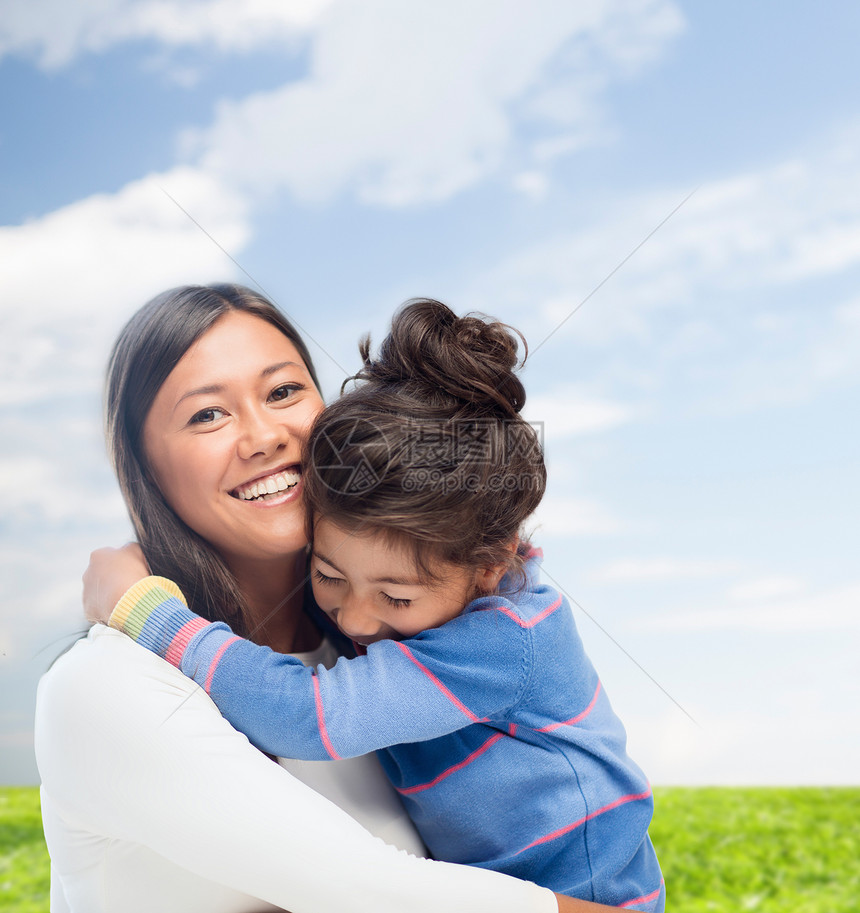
(147, 350)
(429, 448)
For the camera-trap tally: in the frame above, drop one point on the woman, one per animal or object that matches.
(210, 395)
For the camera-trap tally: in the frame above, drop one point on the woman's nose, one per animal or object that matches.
(261, 433)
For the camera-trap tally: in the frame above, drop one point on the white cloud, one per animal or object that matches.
(796, 220)
(764, 588)
(40, 584)
(403, 104)
(55, 32)
(830, 610)
(568, 410)
(643, 570)
(69, 279)
(569, 516)
(749, 746)
(738, 303)
(849, 314)
(412, 104)
(39, 486)
(834, 354)
(533, 184)
(17, 738)
(119, 246)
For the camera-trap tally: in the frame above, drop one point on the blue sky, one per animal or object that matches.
(698, 376)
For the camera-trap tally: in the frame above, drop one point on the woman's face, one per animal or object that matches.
(224, 438)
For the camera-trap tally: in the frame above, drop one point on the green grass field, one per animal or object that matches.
(24, 877)
(767, 850)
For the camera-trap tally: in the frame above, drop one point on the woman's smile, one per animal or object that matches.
(274, 487)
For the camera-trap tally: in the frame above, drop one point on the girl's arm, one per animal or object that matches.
(134, 751)
(106, 747)
(472, 668)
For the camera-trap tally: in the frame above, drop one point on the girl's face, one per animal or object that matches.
(224, 438)
(371, 588)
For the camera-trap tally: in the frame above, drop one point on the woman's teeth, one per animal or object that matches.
(271, 485)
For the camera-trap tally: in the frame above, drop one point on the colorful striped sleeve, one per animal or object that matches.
(154, 613)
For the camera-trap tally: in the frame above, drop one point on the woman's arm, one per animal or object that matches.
(139, 753)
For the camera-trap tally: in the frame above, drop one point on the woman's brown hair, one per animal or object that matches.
(430, 448)
(146, 351)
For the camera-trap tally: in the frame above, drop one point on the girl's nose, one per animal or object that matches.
(356, 621)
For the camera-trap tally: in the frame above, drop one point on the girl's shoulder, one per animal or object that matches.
(527, 609)
(525, 598)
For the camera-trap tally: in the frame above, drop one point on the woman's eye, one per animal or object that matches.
(206, 416)
(285, 391)
(322, 578)
(396, 603)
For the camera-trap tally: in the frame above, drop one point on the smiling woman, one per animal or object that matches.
(150, 799)
(211, 390)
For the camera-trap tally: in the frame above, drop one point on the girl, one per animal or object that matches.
(470, 677)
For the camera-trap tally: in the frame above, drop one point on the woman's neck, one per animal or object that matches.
(274, 593)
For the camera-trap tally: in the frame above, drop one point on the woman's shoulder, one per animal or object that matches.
(106, 688)
(108, 664)
(110, 712)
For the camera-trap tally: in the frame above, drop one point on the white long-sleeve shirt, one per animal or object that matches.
(152, 801)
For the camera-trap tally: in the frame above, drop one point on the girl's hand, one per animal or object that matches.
(110, 573)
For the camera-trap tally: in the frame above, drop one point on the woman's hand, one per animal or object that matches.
(110, 573)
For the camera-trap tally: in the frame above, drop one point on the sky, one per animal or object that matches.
(663, 196)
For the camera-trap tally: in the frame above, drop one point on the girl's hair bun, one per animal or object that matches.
(437, 355)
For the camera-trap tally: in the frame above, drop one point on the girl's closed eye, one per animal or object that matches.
(396, 603)
(324, 578)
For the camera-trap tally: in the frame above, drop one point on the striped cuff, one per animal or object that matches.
(154, 613)
(122, 611)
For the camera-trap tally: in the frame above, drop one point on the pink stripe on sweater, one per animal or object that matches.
(181, 639)
(447, 773)
(321, 720)
(457, 703)
(572, 827)
(532, 622)
(646, 899)
(215, 660)
(576, 719)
